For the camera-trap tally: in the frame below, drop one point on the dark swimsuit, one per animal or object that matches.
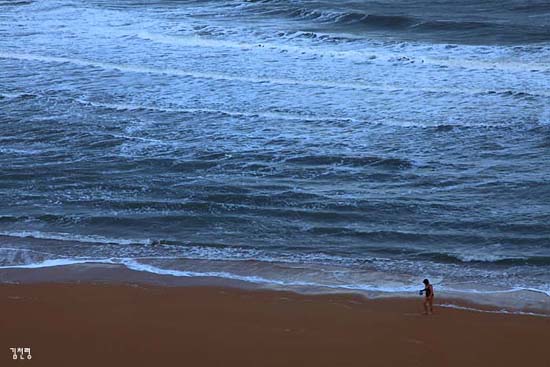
(428, 291)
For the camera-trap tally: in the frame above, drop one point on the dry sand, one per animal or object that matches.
(91, 324)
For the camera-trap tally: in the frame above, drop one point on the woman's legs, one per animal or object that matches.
(428, 306)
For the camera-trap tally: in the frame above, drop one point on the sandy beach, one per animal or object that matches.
(89, 323)
(257, 183)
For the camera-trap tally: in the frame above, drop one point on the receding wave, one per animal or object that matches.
(501, 311)
(286, 267)
(266, 280)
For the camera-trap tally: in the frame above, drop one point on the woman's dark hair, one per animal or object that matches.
(426, 281)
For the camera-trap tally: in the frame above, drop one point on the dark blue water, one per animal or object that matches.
(352, 144)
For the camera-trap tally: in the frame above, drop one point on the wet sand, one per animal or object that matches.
(93, 324)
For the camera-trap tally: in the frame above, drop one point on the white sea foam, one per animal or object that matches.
(501, 311)
(195, 252)
(262, 114)
(258, 80)
(57, 262)
(72, 237)
(20, 151)
(310, 261)
(262, 46)
(377, 55)
(266, 114)
(485, 257)
(133, 264)
(195, 74)
(501, 65)
(17, 249)
(11, 95)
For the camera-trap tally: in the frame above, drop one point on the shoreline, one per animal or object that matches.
(25, 258)
(118, 274)
(96, 323)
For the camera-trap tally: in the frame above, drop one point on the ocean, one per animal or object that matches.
(334, 145)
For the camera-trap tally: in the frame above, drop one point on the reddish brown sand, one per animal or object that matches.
(123, 325)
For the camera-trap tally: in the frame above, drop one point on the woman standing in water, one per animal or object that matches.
(429, 301)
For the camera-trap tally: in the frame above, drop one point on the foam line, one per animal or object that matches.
(132, 264)
(270, 115)
(506, 312)
(72, 237)
(195, 41)
(244, 79)
(190, 74)
(57, 262)
(510, 66)
(389, 56)
(11, 95)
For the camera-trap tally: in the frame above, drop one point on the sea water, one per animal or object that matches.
(337, 145)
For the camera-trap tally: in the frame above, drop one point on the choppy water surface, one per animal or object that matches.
(348, 144)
